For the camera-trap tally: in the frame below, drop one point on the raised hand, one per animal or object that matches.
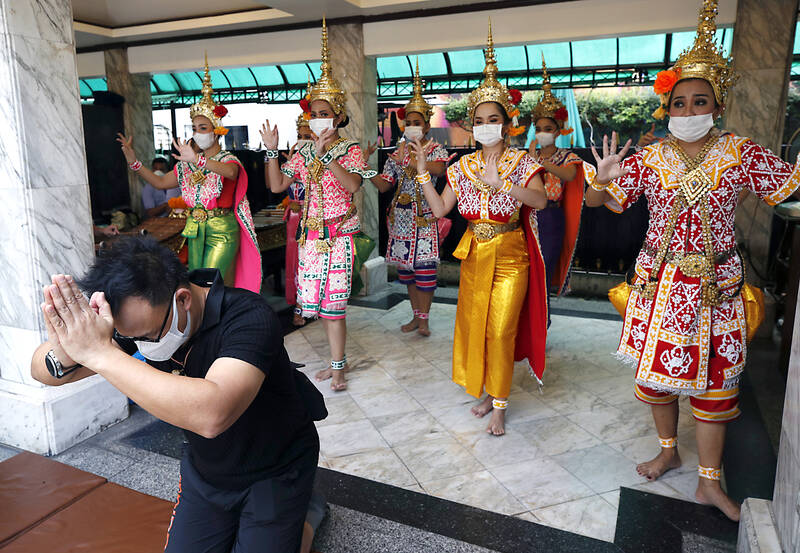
(532, 148)
(419, 155)
(269, 135)
(608, 167)
(185, 150)
(647, 138)
(369, 150)
(83, 331)
(126, 147)
(321, 143)
(490, 174)
(399, 154)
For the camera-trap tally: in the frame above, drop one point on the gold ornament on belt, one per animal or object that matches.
(704, 60)
(417, 103)
(327, 87)
(207, 107)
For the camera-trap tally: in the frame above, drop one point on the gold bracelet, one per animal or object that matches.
(424, 178)
(594, 185)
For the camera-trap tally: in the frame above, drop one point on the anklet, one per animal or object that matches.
(422, 315)
(416, 313)
(338, 365)
(668, 442)
(709, 473)
(501, 404)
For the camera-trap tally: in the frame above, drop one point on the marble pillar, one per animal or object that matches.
(358, 75)
(45, 222)
(763, 39)
(137, 113)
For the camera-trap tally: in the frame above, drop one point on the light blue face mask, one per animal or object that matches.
(171, 341)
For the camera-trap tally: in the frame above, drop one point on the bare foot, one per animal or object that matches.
(423, 329)
(298, 320)
(413, 325)
(338, 382)
(709, 492)
(667, 459)
(483, 408)
(497, 423)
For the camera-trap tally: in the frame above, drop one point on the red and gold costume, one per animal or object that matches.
(502, 310)
(685, 323)
(560, 221)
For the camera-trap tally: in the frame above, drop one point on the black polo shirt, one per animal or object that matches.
(276, 430)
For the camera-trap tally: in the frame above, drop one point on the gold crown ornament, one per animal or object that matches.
(327, 87)
(207, 107)
(417, 103)
(302, 121)
(549, 106)
(492, 90)
(704, 60)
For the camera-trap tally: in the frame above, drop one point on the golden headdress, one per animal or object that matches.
(417, 103)
(704, 60)
(302, 121)
(549, 106)
(492, 90)
(207, 107)
(327, 87)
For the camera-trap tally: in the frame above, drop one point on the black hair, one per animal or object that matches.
(506, 118)
(344, 122)
(160, 159)
(135, 266)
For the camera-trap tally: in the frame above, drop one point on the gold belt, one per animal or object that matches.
(318, 223)
(486, 231)
(404, 199)
(201, 214)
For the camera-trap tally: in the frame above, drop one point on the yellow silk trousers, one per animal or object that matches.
(492, 288)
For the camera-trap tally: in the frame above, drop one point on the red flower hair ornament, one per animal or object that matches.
(401, 113)
(304, 105)
(220, 111)
(561, 114)
(515, 95)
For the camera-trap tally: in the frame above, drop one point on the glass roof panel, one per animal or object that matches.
(640, 49)
(467, 61)
(85, 90)
(591, 53)
(512, 58)
(240, 77)
(393, 67)
(296, 73)
(191, 81)
(268, 75)
(681, 41)
(555, 55)
(431, 64)
(97, 83)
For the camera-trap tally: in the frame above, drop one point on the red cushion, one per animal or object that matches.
(32, 487)
(111, 519)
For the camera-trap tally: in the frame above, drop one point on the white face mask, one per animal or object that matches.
(488, 135)
(319, 125)
(691, 128)
(302, 142)
(545, 139)
(204, 140)
(171, 341)
(413, 133)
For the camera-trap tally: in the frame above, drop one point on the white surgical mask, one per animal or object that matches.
(204, 140)
(413, 133)
(545, 139)
(171, 341)
(691, 128)
(488, 135)
(319, 125)
(302, 142)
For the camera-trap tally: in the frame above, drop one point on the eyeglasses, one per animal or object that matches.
(117, 335)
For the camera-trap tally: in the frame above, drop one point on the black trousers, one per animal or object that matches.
(267, 517)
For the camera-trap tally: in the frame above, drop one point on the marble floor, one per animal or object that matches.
(568, 447)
